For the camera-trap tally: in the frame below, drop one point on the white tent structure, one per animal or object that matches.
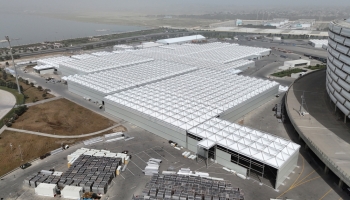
(45, 189)
(82, 56)
(98, 85)
(54, 61)
(96, 64)
(170, 107)
(181, 40)
(318, 43)
(240, 148)
(72, 192)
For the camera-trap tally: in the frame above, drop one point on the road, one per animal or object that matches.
(80, 46)
(7, 101)
(60, 136)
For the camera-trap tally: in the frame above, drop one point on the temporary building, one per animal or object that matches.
(96, 64)
(98, 85)
(46, 189)
(72, 192)
(180, 40)
(54, 61)
(170, 107)
(246, 150)
(318, 43)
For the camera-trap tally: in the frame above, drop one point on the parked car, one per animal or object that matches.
(25, 165)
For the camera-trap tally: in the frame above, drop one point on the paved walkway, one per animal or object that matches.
(7, 101)
(43, 101)
(321, 129)
(60, 136)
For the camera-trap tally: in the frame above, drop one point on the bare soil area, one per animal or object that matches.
(61, 117)
(29, 147)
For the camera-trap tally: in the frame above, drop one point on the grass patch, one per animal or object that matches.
(287, 72)
(19, 97)
(61, 117)
(31, 94)
(316, 67)
(19, 100)
(32, 147)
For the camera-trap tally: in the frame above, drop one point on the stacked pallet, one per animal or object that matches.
(152, 167)
(188, 187)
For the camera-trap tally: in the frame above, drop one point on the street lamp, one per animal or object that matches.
(21, 152)
(13, 62)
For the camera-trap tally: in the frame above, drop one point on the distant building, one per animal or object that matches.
(181, 40)
(318, 43)
(294, 63)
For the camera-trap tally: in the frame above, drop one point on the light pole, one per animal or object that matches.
(13, 62)
(21, 152)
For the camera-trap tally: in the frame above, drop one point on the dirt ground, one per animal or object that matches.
(61, 117)
(31, 146)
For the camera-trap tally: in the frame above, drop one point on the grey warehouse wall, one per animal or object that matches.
(224, 159)
(147, 124)
(237, 112)
(286, 169)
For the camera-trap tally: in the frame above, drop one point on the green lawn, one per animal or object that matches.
(316, 67)
(19, 101)
(287, 72)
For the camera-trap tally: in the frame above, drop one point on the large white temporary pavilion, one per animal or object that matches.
(179, 109)
(96, 64)
(95, 86)
(54, 61)
(247, 151)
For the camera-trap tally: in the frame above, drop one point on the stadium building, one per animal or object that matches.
(338, 65)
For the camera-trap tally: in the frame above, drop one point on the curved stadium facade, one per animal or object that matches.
(338, 65)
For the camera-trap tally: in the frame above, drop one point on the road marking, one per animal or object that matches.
(170, 153)
(136, 165)
(122, 176)
(140, 158)
(306, 181)
(113, 182)
(133, 187)
(130, 171)
(305, 177)
(179, 166)
(147, 154)
(326, 194)
(291, 187)
(160, 155)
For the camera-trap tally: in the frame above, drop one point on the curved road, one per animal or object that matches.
(7, 101)
(61, 136)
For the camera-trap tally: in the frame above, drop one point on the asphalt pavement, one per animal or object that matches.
(7, 101)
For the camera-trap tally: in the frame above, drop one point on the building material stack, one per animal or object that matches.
(152, 166)
(188, 187)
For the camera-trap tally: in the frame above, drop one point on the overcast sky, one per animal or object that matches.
(158, 6)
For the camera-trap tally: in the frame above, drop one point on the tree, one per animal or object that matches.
(32, 84)
(45, 95)
(7, 63)
(27, 82)
(40, 88)
(4, 75)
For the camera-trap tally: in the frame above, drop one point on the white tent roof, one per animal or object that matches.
(188, 100)
(42, 67)
(181, 39)
(267, 148)
(122, 78)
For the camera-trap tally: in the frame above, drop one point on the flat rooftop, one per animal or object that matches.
(328, 133)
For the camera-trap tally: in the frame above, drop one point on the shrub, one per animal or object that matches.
(40, 88)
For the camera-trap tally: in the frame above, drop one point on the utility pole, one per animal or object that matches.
(21, 152)
(13, 62)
